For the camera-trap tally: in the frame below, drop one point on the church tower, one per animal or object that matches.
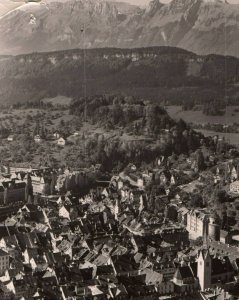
(204, 269)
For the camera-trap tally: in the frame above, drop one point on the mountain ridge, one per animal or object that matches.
(200, 26)
(158, 73)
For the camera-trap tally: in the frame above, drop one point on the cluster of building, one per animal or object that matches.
(103, 246)
(110, 243)
(42, 180)
(228, 172)
(39, 138)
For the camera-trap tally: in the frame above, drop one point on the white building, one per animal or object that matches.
(38, 184)
(37, 138)
(234, 187)
(64, 213)
(61, 142)
(10, 138)
(4, 261)
(197, 221)
(56, 135)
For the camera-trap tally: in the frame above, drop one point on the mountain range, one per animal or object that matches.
(201, 26)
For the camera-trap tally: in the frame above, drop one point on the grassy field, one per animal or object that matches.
(197, 117)
(19, 116)
(231, 138)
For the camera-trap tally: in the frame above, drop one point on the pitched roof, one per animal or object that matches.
(152, 277)
(105, 270)
(223, 233)
(27, 240)
(183, 273)
(3, 253)
(119, 290)
(221, 266)
(100, 260)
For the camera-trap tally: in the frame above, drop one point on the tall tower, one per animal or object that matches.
(204, 269)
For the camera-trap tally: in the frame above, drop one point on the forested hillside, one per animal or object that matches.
(160, 73)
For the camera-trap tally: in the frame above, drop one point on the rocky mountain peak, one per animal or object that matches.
(153, 7)
(181, 5)
(195, 25)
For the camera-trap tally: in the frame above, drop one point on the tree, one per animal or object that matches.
(198, 242)
(221, 196)
(46, 190)
(53, 183)
(28, 188)
(196, 200)
(200, 161)
(36, 129)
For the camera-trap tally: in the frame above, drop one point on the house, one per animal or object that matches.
(182, 215)
(64, 213)
(61, 142)
(132, 167)
(173, 179)
(185, 280)
(125, 265)
(10, 138)
(133, 179)
(7, 290)
(38, 184)
(160, 160)
(234, 173)
(173, 234)
(37, 138)
(12, 191)
(15, 168)
(225, 237)
(197, 221)
(10, 245)
(234, 187)
(167, 268)
(163, 178)
(118, 292)
(2, 195)
(56, 135)
(4, 262)
(154, 278)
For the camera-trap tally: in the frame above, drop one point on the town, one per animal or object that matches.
(166, 230)
(119, 150)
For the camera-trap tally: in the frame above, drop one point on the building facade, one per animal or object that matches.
(197, 223)
(234, 187)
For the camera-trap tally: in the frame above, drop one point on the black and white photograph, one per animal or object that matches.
(119, 149)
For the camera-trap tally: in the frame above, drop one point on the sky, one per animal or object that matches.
(144, 2)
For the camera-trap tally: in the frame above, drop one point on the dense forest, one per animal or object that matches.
(160, 73)
(133, 116)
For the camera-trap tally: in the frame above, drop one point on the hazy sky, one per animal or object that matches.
(143, 2)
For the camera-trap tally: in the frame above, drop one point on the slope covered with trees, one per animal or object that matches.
(161, 73)
(143, 131)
